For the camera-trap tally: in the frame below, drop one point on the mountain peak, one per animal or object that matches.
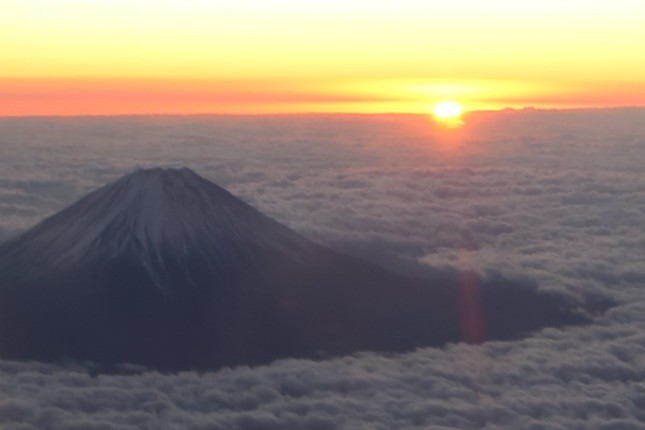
(172, 183)
(159, 174)
(157, 217)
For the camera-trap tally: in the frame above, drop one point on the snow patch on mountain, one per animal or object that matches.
(156, 217)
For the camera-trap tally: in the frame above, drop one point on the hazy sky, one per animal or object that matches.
(144, 56)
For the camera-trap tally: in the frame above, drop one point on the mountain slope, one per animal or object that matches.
(153, 216)
(165, 268)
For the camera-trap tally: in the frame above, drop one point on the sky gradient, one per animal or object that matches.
(69, 57)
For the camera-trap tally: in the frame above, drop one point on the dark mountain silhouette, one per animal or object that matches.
(166, 269)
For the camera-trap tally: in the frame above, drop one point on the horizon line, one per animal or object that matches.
(322, 113)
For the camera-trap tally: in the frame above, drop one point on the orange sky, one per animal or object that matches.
(70, 57)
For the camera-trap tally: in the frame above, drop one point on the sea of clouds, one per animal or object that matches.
(557, 198)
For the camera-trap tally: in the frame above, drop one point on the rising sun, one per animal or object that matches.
(447, 111)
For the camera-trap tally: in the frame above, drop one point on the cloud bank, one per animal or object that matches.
(554, 197)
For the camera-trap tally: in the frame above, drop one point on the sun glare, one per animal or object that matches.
(448, 113)
(447, 110)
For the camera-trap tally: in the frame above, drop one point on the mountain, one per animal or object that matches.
(166, 269)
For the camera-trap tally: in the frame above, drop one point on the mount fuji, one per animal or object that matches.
(166, 269)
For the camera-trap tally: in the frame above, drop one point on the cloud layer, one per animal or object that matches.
(554, 197)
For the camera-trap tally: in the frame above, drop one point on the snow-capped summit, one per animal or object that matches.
(166, 269)
(161, 218)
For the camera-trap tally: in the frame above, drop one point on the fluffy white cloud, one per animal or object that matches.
(555, 197)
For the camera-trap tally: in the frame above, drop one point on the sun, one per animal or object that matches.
(447, 110)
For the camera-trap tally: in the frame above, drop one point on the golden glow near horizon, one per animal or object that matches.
(448, 113)
(447, 110)
(184, 56)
